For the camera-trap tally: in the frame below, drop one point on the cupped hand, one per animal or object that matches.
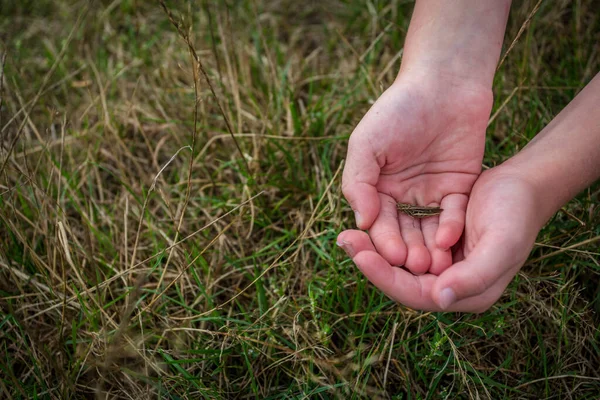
(421, 143)
(502, 222)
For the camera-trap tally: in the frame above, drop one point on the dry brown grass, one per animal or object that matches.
(163, 237)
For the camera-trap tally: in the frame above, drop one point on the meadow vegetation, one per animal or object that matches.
(170, 198)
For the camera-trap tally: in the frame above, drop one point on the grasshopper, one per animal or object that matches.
(418, 211)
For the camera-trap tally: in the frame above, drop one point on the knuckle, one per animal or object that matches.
(482, 283)
(346, 188)
(347, 191)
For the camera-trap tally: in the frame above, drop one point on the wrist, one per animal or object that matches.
(447, 94)
(564, 158)
(457, 39)
(439, 79)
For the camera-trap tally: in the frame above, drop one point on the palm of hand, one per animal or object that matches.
(413, 148)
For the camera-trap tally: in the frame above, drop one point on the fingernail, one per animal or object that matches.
(358, 218)
(447, 298)
(347, 247)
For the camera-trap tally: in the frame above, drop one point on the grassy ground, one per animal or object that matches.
(152, 245)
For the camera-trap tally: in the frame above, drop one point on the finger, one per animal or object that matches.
(452, 220)
(385, 232)
(410, 290)
(397, 283)
(417, 258)
(360, 176)
(440, 259)
(479, 271)
(354, 241)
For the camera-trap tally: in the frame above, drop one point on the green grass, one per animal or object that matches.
(118, 281)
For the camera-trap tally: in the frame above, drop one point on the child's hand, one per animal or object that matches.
(421, 143)
(501, 226)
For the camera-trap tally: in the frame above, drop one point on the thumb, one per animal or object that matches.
(361, 173)
(490, 260)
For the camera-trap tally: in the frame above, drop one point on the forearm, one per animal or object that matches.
(459, 39)
(564, 158)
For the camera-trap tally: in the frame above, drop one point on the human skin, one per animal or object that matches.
(508, 206)
(422, 142)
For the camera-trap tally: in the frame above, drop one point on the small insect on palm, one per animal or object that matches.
(418, 211)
